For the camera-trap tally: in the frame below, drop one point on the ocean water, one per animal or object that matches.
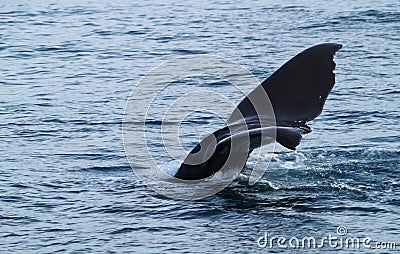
(67, 69)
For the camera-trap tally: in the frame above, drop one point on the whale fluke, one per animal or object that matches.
(297, 92)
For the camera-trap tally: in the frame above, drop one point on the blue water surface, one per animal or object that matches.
(67, 69)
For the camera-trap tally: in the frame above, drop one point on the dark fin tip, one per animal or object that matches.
(289, 137)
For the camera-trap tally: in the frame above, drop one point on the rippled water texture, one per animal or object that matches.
(66, 71)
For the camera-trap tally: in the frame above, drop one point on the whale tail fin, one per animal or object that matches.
(289, 137)
(297, 92)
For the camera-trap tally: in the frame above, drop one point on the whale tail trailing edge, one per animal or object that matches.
(297, 92)
(299, 88)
